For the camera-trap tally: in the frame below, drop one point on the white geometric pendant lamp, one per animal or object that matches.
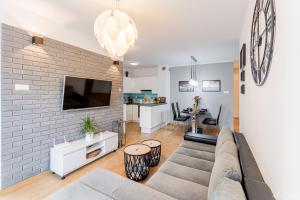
(115, 31)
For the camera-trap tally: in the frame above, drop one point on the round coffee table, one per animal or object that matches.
(155, 151)
(137, 160)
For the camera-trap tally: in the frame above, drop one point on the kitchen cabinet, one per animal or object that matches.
(135, 111)
(153, 117)
(131, 113)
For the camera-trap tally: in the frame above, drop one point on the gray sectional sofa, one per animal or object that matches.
(195, 171)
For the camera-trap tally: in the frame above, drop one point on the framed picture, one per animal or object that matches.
(243, 57)
(184, 86)
(243, 75)
(211, 86)
(243, 89)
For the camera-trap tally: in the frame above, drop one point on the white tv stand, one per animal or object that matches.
(68, 157)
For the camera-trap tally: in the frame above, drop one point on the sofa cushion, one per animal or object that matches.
(186, 173)
(192, 162)
(227, 147)
(224, 136)
(198, 146)
(78, 191)
(196, 153)
(226, 165)
(177, 188)
(119, 187)
(228, 189)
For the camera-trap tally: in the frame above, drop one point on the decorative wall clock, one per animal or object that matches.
(262, 39)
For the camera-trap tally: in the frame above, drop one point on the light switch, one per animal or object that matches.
(226, 92)
(21, 87)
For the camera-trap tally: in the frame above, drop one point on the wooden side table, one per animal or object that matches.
(137, 161)
(155, 151)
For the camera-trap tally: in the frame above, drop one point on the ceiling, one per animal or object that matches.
(170, 31)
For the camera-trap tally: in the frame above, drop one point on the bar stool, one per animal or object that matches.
(119, 126)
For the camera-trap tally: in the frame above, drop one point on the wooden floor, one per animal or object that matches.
(42, 185)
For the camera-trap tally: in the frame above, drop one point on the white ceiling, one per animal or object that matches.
(170, 31)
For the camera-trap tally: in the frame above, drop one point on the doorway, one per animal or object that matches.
(236, 96)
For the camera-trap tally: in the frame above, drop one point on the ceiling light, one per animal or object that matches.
(193, 83)
(134, 63)
(115, 31)
(193, 80)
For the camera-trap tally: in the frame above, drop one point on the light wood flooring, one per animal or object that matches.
(42, 185)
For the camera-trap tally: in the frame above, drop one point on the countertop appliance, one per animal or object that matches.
(162, 99)
(129, 100)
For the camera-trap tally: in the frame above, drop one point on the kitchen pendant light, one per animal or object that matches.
(193, 81)
(115, 31)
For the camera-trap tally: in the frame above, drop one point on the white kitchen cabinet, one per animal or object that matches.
(129, 116)
(135, 113)
(153, 117)
(129, 85)
(131, 113)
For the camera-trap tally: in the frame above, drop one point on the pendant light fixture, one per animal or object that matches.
(193, 81)
(115, 31)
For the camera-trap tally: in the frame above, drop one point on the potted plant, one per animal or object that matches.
(88, 128)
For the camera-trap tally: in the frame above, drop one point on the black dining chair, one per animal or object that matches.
(175, 116)
(179, 112)
(212, 121)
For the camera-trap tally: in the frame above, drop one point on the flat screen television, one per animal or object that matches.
(81, 93)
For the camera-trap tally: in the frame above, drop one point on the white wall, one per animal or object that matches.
(269, 115)
(36, 19)
(209, 100)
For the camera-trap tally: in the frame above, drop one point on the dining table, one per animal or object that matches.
(196, 119)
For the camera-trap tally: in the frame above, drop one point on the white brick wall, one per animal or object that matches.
(31, 119)
(8, 156)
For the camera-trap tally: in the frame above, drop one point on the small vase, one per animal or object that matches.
(196, 109)
(89, 136)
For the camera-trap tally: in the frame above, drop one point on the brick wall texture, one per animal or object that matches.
(32, 119)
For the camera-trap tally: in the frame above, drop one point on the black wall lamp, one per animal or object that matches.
(116, 62)
(37, 40)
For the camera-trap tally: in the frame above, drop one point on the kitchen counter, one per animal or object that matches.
(146, 104)
(153, 117)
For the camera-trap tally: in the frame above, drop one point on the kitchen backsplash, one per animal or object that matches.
(139, 96)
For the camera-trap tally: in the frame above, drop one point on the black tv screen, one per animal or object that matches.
(80, 93)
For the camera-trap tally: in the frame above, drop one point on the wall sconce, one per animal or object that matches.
(116, 63)
(37, 40)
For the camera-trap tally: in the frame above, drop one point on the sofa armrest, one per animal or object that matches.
(256, 190)
(248, 163)
(202, 138)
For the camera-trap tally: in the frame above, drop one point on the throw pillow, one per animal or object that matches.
(228, 189)
(226, 165)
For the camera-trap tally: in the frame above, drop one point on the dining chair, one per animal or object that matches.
(179, 112)
(176, 118)
(212, 121)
